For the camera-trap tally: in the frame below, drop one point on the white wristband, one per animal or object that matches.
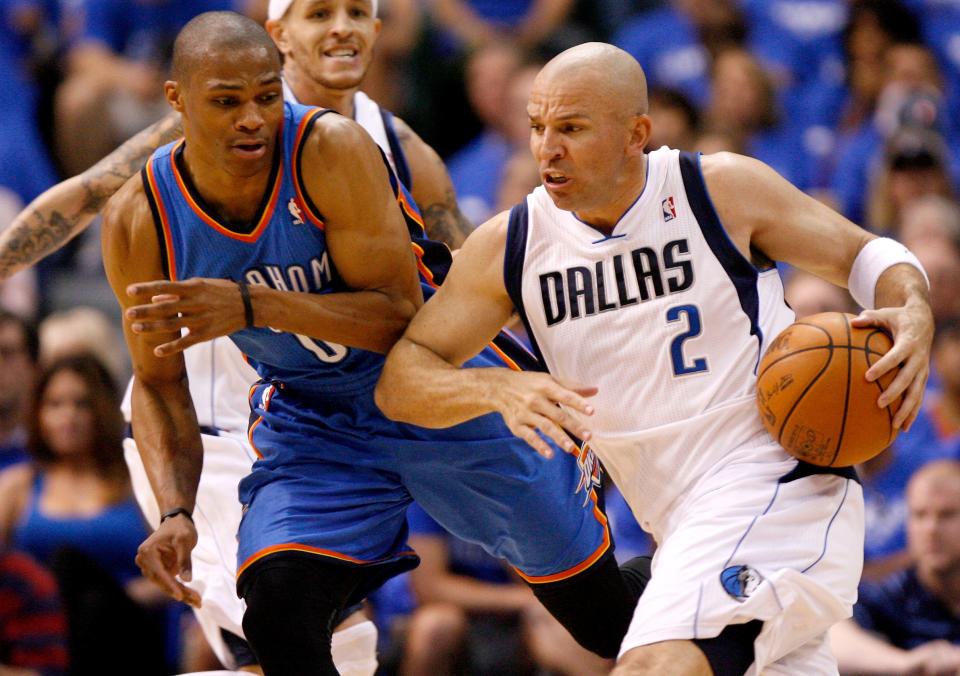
(873, 260)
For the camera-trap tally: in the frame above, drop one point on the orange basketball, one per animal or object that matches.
(814, 397)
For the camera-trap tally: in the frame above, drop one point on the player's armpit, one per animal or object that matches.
(433, 190)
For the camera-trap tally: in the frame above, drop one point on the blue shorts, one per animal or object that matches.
(335, 477)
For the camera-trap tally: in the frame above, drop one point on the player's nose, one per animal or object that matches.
(250, 118)
(342, 24)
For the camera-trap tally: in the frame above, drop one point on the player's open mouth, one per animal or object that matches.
(345, 53)
(250, 149)
(553, 179)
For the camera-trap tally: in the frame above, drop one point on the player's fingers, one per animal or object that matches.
(160, 310)
(910, 406)
(897, 386)
(553, 431)
(150, 561)
(178, 345)
(534, 440)
(579, 388)
(155, 288)
(886, 363)
(562, 419)
(568, 397)
(160, 298)
(869, 318)
(159, 325)
(189, 596)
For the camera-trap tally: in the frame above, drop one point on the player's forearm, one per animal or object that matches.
(901, 285)
(369, 320)
(417, 386)
(65, 210)
(168, 437)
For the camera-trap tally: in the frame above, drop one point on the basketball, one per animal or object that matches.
(813, 394)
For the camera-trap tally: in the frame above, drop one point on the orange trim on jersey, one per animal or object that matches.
(250, 437)
(164, 220)
(265, 217)
(503, 355)
(589, 561)
(296, 547)
(303, 203)
(409, 210)
(424, 270)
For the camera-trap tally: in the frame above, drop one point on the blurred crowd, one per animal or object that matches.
(856, 102)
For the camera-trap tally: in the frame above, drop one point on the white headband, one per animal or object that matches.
(279, 7)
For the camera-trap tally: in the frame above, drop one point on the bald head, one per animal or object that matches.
(937, 473)
(210, 35)
(615, 76)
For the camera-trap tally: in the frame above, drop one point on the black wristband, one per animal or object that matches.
(176, 511)
(247, 305)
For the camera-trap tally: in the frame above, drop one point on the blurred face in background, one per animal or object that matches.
(329, 41)
(946, 359)
(66, 415)
(933, 520)
(488, 77)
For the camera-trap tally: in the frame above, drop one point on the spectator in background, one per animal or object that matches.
(475, 617)
(19, 351)
(933, 219)
(115, 73)
(674, 44)
(475, 169)
(19, 293)
(915, 164)
(72, 508)
(743, 105)
(678, 120)
(33, 628)
(85, 330)
(25, 166)
(910, 623)
(808, 294)
(474, 23)
(520, 174)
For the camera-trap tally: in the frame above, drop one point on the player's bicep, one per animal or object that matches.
(131, 254)
(472, 306)
(780, 220)
(365, 230)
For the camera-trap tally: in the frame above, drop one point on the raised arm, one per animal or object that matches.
(164, 422)
(422, 382)
(344, 173)
(433, 190)
(786, 225)
(65, 210)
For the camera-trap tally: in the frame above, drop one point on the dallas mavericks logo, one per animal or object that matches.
(669, 209)
(590, 473)
(294, 210)
(740, 581)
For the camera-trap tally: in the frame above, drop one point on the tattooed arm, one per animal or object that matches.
(433, 190)
(65, 210)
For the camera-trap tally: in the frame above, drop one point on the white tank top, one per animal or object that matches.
(664, 316)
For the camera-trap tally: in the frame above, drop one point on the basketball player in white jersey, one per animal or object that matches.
(328, 47)
(647, 286)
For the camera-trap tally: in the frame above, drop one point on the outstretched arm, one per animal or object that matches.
(433, 190)
(65, 210)
(369, 245)
(164, 422)
(422, 382)
(787, 225)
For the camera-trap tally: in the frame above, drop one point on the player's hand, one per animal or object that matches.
(912, 329)
(207, 308)
(165, 555)
(530, 402)
(935, 658)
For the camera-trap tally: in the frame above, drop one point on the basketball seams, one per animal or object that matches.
(867, 351)
(809, 386)
(846, 393)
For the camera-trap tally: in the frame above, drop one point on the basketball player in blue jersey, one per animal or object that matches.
(295, 206)
(647, 285)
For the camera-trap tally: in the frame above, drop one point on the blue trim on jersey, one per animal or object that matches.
(513, 257)
(741, 272)
(396, 148)
(826, 536)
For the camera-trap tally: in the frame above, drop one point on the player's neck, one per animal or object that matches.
(235, 198)
(625, 194)
(309, 92)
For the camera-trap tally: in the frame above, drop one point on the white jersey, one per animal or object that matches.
(663, 315)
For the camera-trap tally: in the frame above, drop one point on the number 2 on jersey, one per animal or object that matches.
(694, 328)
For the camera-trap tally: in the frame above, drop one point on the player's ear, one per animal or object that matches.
(641, 133)
(174, 95)
(278, 34)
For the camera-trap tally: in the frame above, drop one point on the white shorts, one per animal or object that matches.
(226, 460)
(742, 546)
